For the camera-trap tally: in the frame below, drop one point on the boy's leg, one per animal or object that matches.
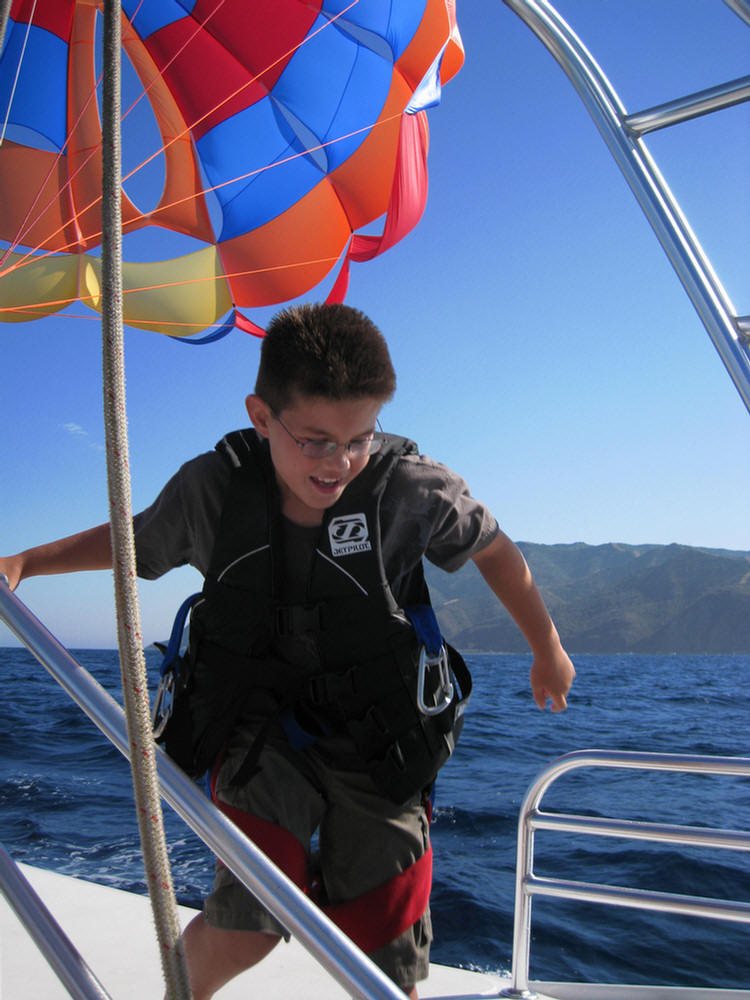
(369, 845)
(215, 956)
(235, 931)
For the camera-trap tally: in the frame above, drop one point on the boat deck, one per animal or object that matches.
(113, 930)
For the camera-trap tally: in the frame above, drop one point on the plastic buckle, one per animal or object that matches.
(444, 692)
(163, 704)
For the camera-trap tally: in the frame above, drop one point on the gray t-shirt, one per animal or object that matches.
(436, 517)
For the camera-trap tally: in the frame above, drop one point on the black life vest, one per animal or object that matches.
(366, 682)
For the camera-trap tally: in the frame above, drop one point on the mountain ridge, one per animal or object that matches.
(610, 598)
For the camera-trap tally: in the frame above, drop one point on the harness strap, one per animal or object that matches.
(177, 634)
(422, 617)
(249, 766)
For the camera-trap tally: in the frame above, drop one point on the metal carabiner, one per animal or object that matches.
(445, 686)
(163, 704)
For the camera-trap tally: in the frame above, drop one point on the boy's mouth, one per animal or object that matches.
(327, 485)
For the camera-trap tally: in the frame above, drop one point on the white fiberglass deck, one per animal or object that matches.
(113, 930)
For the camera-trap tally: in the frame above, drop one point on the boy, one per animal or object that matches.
(305, 695)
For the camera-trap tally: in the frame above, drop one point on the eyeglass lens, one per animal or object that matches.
(357, 449)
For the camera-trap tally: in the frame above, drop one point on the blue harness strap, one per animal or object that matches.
(169, 679)
(422, 617)
(174, 645)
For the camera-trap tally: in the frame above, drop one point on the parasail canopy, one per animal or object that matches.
(301, 121)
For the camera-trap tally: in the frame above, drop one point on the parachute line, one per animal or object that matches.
(29, 222)
(32, 256)
(189, 129)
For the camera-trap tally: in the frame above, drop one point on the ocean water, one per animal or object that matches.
(66, 804)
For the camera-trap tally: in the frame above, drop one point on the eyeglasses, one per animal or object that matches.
(320, 448)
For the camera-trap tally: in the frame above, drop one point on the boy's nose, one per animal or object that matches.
(339, 460)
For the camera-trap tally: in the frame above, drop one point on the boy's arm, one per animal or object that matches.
(505, 570)
(87, 550)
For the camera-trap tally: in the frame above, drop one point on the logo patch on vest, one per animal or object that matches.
(348, 534)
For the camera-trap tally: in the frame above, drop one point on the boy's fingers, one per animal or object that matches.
(559, 703)
(551, 681)
(542, 695)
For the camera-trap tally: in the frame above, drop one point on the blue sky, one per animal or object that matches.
(544, 346)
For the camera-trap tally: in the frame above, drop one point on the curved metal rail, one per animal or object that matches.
(532, 819)
(622, 133)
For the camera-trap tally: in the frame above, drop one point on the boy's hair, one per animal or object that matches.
(331, 351)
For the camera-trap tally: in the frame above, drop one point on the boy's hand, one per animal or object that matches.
(551, 676)
(10, 568)
(504, 568)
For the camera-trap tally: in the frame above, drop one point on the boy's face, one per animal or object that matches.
(309, 486)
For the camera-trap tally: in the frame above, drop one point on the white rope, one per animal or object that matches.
(132, 660)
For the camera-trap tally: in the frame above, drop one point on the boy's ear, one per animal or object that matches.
(260, 414)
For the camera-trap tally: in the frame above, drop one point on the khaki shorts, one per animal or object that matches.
(363, 841)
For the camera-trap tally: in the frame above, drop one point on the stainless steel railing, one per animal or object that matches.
(532, 819)
(331, 948)
(623, 135)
